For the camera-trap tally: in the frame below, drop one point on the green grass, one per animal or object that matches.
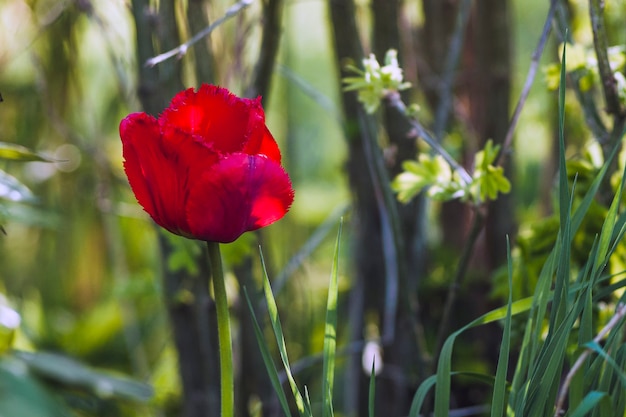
(303, 402)
(560, 320)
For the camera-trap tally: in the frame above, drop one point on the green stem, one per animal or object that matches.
(223, 330)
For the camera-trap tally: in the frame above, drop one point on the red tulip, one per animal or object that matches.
(208, 168)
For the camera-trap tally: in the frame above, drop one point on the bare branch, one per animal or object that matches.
(585, 98)
(182, 49)
(530, 77)
(620, 312)
(601, 45)
(396, 101)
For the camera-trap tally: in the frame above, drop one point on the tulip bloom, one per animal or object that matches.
(208, 168)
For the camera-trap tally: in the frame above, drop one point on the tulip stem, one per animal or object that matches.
(223, 331)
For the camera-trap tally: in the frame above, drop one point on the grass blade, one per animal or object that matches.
(330, 333)
(608, 231)
(588, 403)
(420, 395)
(594, 346)
(372, 390)
(267, 359)
(560, 302)
(303, 408)
(499, 389)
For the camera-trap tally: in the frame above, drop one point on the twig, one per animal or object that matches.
(592, 116)
(620, 312)
(182, 49)
(609, 88)
(452, 59)
(396, 101)
(530, 77)
(601, 45)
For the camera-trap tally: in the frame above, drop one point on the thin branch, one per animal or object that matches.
(609, 87)
(452, 59)
(592, 116)
(620, 312)
(530, 77)
(182, 49)
(396, 101)
(601, 45)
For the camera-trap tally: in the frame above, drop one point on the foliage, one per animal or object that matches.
(442, 178)
(375, 82)
(434, 174)
(554, 336)
(81, 261)
(48, 384)
(303, 402)
(11, 189)
(583, 62)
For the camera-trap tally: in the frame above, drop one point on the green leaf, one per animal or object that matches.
(608, 226)
(13, 190)
(487, 156)
(499, 388)
(23, 394)
(372, 391)
(420, 395)
(303, 408)
(428, 383)
(609, 360)
(375, 82)
(488, 180)
(13, 152)
(29, 214)
(588, 403)
(267, 359)
(430, 172)
(68, 371)
(9, 322)
(488, 183)
(330, 333)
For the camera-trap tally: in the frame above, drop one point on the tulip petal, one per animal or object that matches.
(153, 175)
(240, 193)
(263, 143)
(215, 117)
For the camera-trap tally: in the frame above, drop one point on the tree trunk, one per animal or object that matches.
(193, 321)
(489, 96)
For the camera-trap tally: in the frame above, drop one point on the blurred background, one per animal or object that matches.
(87, 270)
